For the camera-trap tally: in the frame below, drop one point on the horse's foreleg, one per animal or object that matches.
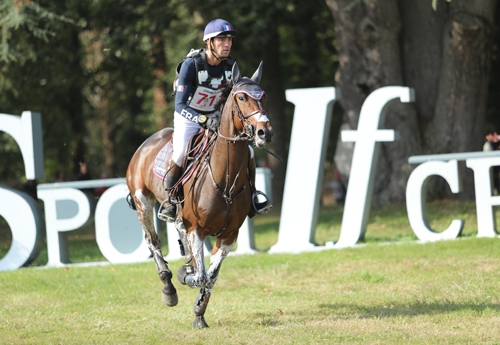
(145, 212)
(194, 275)
(200, 306)
(218, 255)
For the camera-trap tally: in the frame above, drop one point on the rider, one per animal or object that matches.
(201, 77)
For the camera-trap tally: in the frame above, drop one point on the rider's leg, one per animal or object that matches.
(184, 129)
(173, 174)
(257, 207)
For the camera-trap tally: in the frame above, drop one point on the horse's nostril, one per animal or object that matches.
(265, 135)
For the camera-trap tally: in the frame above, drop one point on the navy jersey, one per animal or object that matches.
(187, 85)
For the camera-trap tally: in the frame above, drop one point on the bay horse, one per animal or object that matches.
(217, 196)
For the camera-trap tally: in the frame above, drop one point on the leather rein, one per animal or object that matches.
(247, 134)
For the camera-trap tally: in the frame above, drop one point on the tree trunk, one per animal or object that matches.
(276, 105)
(444, 55)
(458, 121)
(369, 54)
(74, 107)
(159, 63)
(108, 128)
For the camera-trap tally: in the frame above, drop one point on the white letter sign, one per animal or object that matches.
(304, 174)
(364, 160)
(20, 210)
(416, 197)
(24, 219)
(484, 198)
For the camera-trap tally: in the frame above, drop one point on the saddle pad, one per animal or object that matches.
(159, 165)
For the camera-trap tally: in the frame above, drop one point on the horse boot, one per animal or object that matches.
(257, 208)
(169, 212)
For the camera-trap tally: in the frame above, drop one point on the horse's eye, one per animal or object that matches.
(241, 98)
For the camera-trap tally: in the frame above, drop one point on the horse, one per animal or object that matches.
(214, 199)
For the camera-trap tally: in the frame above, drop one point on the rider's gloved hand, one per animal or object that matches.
(213, 122)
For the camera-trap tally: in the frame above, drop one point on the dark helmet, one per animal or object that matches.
(219, 28)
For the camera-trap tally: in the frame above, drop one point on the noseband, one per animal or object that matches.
(252, 90)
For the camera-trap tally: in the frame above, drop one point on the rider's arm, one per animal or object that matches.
(186, 82)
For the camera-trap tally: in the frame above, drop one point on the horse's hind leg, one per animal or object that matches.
(145, 212)
(219, 253)
(181, 230)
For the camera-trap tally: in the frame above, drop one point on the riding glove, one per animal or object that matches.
(213, 122)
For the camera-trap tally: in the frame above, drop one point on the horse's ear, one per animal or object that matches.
(258, 73)
(236, 76)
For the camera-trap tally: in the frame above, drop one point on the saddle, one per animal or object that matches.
(196, 146)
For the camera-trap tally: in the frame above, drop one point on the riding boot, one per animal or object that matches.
(170, 211)
(257, 208)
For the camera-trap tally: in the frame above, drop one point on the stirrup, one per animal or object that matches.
(261, 207)
(163, 215)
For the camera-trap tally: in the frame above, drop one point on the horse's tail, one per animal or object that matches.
(131, 202)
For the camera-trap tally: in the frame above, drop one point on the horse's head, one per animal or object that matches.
(250, 102)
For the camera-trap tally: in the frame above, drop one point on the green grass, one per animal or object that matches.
(436, 293)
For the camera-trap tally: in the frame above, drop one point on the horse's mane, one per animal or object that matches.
(226, 90)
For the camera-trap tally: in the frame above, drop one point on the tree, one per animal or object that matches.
(125, 63)
(96, 72)
(37, 68)
(444, 54)
(100, 75)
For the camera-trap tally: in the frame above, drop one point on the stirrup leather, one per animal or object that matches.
(261, 207)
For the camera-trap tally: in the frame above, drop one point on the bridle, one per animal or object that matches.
(260, 114)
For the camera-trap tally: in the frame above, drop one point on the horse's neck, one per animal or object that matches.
(232, 154)
(227, 127)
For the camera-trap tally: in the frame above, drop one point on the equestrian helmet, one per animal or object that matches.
(219, 28)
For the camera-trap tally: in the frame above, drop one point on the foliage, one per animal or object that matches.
(94, 69)
(36, 19)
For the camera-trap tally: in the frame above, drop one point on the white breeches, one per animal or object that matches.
(185, 129)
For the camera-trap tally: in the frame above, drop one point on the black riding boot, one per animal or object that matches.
(170, 211)
(257, 208)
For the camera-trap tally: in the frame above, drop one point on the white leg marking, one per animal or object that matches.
(196, 245)
(215, 263)
(145, 211)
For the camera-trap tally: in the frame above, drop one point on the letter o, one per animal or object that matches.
(103, 237)
(23, 216)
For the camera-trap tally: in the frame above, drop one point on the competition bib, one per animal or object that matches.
(204, 99)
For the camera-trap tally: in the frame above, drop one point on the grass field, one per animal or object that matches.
(377, 293)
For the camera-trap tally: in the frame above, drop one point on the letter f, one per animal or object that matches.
(365, 157)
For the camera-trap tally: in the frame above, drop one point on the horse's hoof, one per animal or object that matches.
(169, 295)
(199, 322)
(183, 272)
(170, 300)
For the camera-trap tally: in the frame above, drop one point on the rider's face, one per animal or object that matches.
(222, 46)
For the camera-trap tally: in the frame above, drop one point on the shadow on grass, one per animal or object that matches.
(409, 310)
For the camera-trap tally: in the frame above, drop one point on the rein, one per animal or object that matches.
(228, 194)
